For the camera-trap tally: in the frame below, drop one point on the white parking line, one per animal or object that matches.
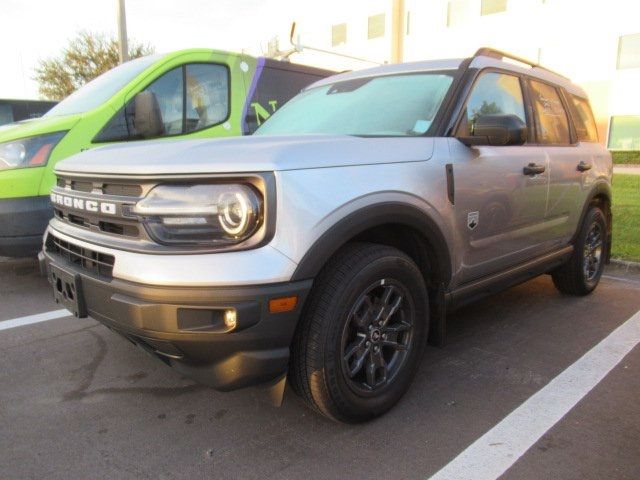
(28, 320)
(497, 450)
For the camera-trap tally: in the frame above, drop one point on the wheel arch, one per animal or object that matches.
(392, 223)
(600, 195)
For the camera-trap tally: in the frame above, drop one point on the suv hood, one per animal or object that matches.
(36, 126)
(246, 154)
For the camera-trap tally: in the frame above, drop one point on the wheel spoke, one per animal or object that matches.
(363, 313)
(398, 327)
(394, 345)
(392, 309)
(376, 369)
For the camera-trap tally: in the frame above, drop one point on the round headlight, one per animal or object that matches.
(237, 212)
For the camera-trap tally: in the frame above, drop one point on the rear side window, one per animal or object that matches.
(190, 98)
(551, 121)
(583, 120)
(493, 93)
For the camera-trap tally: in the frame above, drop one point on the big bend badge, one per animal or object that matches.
(472, 220)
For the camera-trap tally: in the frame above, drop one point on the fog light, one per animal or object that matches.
(230, 319)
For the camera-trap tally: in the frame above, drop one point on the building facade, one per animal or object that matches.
(596, 44)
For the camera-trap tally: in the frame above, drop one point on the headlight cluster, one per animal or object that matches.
(205, 215)
(28, 152)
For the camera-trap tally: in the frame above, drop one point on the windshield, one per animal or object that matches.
(102, 88)
(394, 105)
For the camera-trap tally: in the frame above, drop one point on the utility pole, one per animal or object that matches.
(122, 32)
(397, 30)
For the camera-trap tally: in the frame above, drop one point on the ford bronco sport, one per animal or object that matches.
(329, 245)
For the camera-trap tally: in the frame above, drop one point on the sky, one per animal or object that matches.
(31, 30)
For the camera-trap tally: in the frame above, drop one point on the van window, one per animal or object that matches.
(200, 102)
(275, 87)
(207, 96)
(493, 93)
(552, 125)
(583, 120)
(102, 88)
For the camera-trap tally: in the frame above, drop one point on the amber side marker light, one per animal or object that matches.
(284, 304)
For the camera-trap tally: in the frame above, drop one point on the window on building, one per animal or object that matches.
(376, 26)
(629, 51)
(338, 34)
(552, 125)
(488, 7)
(493, 93)
(624, 133)
(583, 120)
(457, 12)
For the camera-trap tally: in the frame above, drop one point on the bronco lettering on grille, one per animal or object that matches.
(107, 208)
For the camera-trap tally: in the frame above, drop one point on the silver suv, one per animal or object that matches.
(330, 245)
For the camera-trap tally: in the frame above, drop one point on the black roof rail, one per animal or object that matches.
(499, 55)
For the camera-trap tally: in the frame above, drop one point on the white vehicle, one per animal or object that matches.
(329, 245)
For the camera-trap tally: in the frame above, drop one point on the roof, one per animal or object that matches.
(480, 61)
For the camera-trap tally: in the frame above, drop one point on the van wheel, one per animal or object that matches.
(362, 334)
(581, 274)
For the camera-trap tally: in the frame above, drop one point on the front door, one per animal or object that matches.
(500, 209)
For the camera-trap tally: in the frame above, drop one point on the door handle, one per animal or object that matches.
(533, 169)
(584, 166)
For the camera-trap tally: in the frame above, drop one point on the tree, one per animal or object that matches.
(87, 56)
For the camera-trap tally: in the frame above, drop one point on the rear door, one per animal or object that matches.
(554, 134)
(500, 210)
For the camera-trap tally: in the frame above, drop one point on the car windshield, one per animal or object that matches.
(102, 88)
(393, 105)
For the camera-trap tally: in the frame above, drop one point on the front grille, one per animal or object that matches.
(121, 193)
(98, 263)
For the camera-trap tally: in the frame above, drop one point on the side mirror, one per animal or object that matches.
(147, 117)
(497, 130)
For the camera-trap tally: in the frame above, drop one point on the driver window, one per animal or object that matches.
(207, 95)
(203, 86)
(493, 93)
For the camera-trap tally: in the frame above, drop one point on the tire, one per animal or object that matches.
(363, 285)
(582, 272)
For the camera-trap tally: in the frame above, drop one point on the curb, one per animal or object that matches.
(626, 266)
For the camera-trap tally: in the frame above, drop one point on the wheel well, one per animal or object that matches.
(411, 242)
(603, 201)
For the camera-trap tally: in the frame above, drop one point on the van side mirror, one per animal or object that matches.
(497, 130)
(147, 117)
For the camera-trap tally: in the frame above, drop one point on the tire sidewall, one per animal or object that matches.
(346, 399)
(593, 215)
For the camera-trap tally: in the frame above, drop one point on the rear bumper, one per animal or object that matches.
(22, 224)
(184, 326)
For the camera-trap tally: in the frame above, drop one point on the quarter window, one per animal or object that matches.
(493, 93)
(550, 117)
(583, 120)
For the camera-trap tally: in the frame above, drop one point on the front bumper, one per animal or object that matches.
(22, 224)
(184, 327)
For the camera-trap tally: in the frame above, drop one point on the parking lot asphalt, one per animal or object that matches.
(78, 401)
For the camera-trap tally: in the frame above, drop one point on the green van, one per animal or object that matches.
(196, 93)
